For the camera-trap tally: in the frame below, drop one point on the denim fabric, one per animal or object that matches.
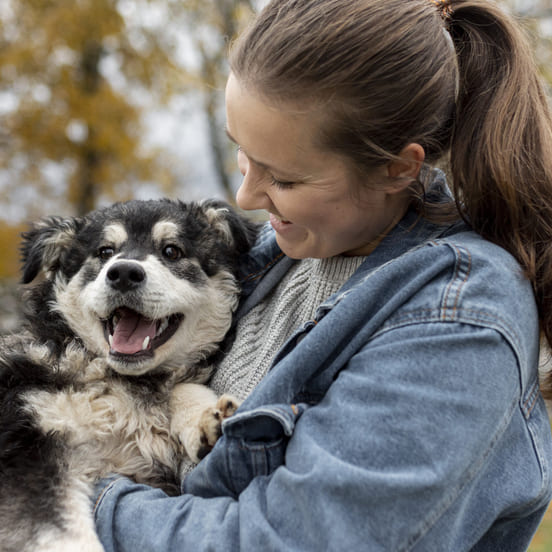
(405, 416)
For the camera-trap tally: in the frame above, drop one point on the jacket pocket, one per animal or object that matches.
(257, 440)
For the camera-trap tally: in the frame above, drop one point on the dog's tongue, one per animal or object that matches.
(130, 332)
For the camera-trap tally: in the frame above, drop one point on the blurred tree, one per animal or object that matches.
(211, 25)
(77, 76)
(74, 70)
(9, 246)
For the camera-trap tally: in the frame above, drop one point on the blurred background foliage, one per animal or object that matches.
(104, 100)
(77, 80)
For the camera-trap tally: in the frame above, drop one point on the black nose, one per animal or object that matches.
(125, 276)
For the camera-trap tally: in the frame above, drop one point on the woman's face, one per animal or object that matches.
(317, 205)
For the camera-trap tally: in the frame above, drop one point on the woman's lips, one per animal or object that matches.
(279, 224)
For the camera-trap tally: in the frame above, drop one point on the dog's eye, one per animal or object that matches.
(172, 253)
(105, 253)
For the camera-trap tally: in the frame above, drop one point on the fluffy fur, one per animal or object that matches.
(124, 309)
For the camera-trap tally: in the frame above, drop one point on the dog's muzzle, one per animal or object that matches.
(131, 334)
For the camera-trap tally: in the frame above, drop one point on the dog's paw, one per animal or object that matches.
(211, 421)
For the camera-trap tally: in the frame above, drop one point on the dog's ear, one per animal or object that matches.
(44, 245)
(237, 230)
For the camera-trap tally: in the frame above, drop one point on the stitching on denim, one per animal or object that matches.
(99, 499)
(252, 276)
(464, 316)
(342, 295)
(542, 459)
(529, 403)
(248, 447)
(470, 473)
(371, 273)
(104, 491)
(455, 284)
(277, 413)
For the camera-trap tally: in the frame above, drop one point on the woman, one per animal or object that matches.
(387, 341)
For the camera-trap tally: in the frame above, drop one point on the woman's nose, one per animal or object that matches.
(251, 194)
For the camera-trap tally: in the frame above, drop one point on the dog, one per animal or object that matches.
(125, 310)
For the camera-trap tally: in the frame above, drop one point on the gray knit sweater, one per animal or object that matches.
(262, 331)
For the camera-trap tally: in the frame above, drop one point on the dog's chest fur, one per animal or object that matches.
(111, 424)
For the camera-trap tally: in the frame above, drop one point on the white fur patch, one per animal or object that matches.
(77, 533)
(164, 231)
(187, 404)
(217, 219)
(115, 234)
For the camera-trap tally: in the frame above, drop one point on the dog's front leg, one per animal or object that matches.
(196, 417)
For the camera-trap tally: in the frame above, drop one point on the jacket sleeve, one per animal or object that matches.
(398, 455)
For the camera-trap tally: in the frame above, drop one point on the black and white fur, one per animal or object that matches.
(124, 308)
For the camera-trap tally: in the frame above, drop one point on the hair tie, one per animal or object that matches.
(445, 9)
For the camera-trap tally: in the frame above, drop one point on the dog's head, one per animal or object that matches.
(143, 283)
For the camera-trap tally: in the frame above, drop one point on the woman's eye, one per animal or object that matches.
(105, 253)
(172, 253)
(281, 184)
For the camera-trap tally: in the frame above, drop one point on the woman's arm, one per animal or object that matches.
(406, 451)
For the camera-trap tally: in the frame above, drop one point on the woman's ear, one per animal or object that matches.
(408, 166)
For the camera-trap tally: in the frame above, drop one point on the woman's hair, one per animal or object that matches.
(456, 77)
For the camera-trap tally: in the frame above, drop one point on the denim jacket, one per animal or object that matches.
(405, 416)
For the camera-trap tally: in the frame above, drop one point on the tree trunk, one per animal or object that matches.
(90, 159)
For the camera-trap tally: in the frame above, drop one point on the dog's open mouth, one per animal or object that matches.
(132, 335)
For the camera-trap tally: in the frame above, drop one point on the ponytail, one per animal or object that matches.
(501, 146)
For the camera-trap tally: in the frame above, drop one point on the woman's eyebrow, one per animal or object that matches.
(232, 139)
(262, 165)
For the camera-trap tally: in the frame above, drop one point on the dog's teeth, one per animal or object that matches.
(145, 343)
(162, 326)
(110, 339)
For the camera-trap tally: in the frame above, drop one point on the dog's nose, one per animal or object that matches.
(125, 276)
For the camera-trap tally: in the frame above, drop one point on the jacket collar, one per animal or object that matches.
(265, 264)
